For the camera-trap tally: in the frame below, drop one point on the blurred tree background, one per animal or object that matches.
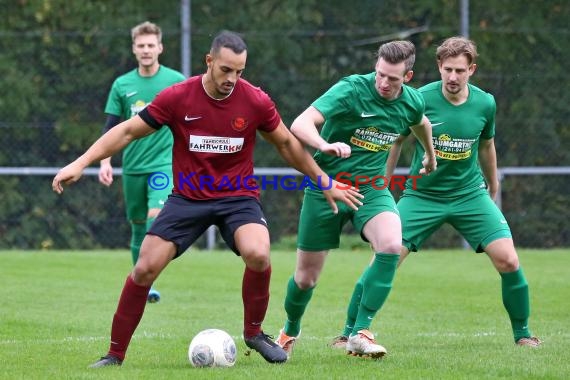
(59, 59)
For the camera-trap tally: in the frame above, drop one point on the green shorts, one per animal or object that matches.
(320, 229)
(143, 192)
(475, 216)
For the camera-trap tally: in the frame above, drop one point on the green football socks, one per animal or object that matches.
(296, 302)
(516, 301)
(376, 288)
(138, 231)
(352, 311)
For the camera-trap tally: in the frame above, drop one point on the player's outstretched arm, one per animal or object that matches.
(106, 170)
(305, 126)
(422, 132)
(107, 145)
(293, 151)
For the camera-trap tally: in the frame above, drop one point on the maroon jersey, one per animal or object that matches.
(214, 139)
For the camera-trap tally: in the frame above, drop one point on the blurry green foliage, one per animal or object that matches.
(59, 59)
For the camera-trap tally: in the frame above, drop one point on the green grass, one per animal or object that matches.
(443, 320)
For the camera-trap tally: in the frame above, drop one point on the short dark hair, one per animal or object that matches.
(398, 51)
(228, 40)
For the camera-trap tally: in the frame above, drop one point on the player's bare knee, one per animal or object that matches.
(305, 282)
(256, 260)
(392, 247)
(511, 264)
(144, 274)
(506, 264)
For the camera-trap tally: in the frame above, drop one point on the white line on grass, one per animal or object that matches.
(143, 334)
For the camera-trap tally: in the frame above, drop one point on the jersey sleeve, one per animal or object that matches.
(489, 129)
(114, 105)
(336, 100)
(420, 107)
(161, 108)
(270, 117)
(112, 120)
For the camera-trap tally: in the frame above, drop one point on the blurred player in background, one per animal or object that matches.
(130, 94)
(214, 119)
(361, 116)
(462, 190)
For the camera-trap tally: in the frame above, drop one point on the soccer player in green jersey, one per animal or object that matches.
(147, 163)
(462, 190)
(361, 116)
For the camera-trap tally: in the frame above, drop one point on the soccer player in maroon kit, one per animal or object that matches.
(214, 119)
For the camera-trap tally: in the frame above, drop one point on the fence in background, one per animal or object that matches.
(281, 208)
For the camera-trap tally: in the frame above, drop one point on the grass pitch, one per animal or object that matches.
(443, 320)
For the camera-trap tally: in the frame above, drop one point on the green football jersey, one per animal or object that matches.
(131, 93)
(457, 130)
(357, 115)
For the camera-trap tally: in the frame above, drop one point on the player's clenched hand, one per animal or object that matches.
(338, 149)
(106, 174)
(429, 165)
(349, 196)
(68, 175)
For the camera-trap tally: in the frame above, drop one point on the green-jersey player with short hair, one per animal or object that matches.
(458, 134)
(462, 190)
(130, 93)
(360, 118)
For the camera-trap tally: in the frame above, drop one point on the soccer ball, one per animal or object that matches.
(212, 348)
